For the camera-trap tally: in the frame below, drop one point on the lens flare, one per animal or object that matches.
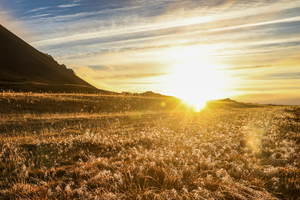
(195, 83)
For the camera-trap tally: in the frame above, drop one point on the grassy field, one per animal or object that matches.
(71, 146)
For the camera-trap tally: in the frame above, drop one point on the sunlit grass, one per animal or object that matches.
(221, 152)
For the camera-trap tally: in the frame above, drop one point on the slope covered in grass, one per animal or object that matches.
(22, 67)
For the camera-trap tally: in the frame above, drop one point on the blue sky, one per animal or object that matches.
(248, 49)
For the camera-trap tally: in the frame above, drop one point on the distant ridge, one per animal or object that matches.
(24, 68)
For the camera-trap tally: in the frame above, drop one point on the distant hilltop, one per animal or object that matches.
(151, 94)
(226, 100)
(148, 94)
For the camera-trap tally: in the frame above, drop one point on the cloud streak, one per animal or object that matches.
(68, 5)
(38, 9)
(247, 67)
(133, 76)
(139, 30)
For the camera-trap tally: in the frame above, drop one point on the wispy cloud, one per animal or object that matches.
(133, 76)
(68, 5)
(39, 15)
(278, 76)
(38, 9)
(141, 31)
(247, 67)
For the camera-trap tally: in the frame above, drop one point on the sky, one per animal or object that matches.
(247, 50)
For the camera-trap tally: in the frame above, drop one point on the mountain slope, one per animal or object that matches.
(22, 67)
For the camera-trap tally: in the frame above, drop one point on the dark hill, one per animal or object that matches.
(24, 68)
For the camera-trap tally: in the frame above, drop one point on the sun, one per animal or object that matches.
(196, 82)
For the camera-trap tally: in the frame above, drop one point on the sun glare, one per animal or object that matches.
(196, 83)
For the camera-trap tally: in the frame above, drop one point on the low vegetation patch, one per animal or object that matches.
(231, 152)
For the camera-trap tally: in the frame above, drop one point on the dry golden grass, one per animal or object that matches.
(71, 146)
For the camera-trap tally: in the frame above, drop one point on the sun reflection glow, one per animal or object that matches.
(196, 83)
